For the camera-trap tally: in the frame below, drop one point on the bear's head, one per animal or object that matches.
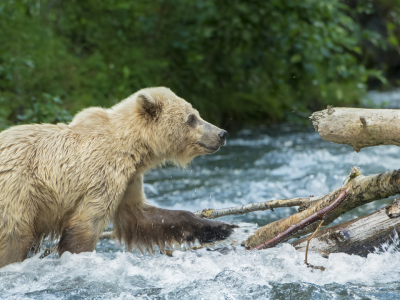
(170, 126)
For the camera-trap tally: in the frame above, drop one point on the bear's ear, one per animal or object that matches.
(148, 105)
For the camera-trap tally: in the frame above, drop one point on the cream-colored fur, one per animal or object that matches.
(69, 181)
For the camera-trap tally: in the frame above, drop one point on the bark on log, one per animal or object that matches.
(360, 236)
(362, 190)
(358, 127)
(319, 215)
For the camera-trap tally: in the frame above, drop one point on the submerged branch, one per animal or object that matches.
(308, 243)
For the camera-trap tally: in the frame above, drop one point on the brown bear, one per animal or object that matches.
(68, 181)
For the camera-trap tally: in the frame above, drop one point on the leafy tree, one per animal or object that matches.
(237, 61)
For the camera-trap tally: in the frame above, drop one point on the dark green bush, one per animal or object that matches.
(236, 61)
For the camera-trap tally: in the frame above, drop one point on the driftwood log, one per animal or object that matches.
(362, 190)
(360, 236)
(358, 127)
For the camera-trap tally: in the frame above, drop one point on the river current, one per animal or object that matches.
(256, 165)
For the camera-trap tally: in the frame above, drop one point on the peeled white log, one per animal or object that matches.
(358, 127)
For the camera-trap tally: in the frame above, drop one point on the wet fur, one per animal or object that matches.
(68, 181)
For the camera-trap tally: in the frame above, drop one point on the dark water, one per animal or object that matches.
(256, 165)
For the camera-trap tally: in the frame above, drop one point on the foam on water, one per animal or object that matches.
(256, 166)
(198, 274)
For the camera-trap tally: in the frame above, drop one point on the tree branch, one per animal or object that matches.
(243, 209)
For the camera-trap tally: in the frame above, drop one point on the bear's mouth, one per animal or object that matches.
(212, 149)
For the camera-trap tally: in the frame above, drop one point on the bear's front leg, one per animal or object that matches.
(180, 226)
(144, 226)
(152, 226)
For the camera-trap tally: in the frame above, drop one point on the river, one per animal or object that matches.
(256, 165)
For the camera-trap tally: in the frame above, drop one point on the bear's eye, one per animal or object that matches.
(192, 120)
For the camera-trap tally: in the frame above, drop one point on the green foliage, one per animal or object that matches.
(236, 61)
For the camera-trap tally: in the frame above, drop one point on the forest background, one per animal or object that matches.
(238, 62)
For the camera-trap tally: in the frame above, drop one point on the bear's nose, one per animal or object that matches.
(222, 134)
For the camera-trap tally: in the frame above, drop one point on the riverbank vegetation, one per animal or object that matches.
(238, 62)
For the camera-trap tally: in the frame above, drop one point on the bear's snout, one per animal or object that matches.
(222, 136)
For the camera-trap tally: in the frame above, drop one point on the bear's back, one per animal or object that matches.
(52, 160)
